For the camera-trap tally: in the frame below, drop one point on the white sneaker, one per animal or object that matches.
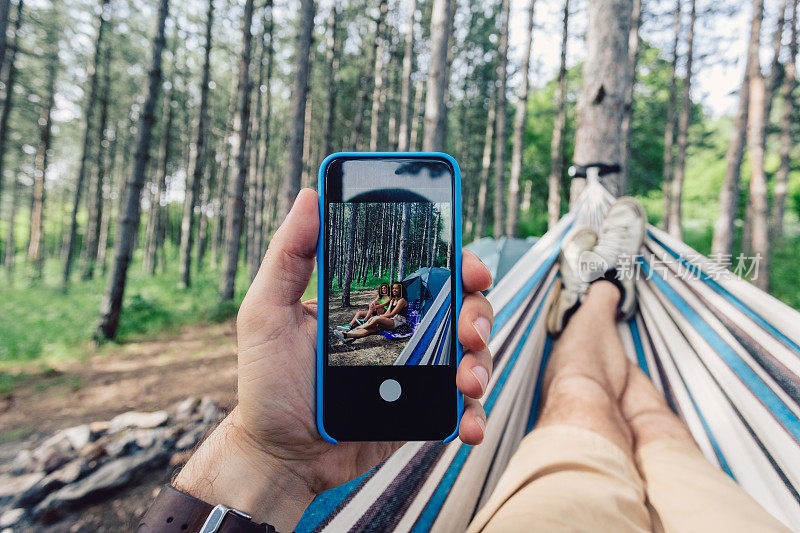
(572, 285)
(346, 327)
(618, 245)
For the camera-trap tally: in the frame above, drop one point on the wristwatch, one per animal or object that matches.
(177, 511)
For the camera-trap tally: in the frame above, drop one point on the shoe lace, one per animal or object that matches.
(611, 243)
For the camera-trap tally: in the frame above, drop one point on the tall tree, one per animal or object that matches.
(36, 244)
(676, 192)
(405, 91)
(294, 151)
(520, 117)
(377, 75)
(130, 211)
(500, 119)
(235, 205)
(10, 84)
(598, 137)
(199, 158)
(332, 64)
(627, 113)
(486, 167)
(5, 11)
(351, 254)
(11, 247)
(88, 132)
(722, 243)
(559, 123)
(433, 135)
(669, 130)
(787, 130)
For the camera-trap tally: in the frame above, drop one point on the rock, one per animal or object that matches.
(190, 438)
(123, 444)
(23, 463)
(11, 517)
(54, 452)
(99, 427)
(183, 410)
(209, 410)
(110, 476)
(137, 420)
(94, 450)
(54, 481)
(11, 486)
(78, 436)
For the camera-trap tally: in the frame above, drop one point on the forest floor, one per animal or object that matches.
(373, 350)
(198, 361)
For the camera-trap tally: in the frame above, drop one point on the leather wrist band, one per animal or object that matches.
(176, 511)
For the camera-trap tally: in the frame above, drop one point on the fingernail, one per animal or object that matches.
(481, 375)
(483, 327)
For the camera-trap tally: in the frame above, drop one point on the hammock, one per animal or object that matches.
(430, 344)
(725, 355)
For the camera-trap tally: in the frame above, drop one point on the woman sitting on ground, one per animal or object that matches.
(376, 307)
(394, 317)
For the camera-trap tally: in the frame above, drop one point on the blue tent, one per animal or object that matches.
(424, 285)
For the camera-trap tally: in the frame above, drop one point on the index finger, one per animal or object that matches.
(474, 274)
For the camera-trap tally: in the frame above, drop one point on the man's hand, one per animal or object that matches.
(267, 458)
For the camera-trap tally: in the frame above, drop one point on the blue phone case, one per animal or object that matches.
(321, 335)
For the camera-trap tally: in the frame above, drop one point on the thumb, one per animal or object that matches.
(289, 261)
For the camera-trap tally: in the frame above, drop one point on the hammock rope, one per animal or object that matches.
(725, 355)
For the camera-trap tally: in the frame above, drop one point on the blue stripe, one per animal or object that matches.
(501, 317)
(425, 341)
(722, 291)
(431, 511)
(324, 504)
(537, 395)
(637, 344)
(745, 373)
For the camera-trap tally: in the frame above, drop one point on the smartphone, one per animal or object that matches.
(389, 294)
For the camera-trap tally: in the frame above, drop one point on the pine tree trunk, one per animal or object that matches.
(787, 131)
(351, 255)
(129, 210)
(199, 158)
(627, 116)
(676, 187)
(69, 250)
(10, 251)
(377, 76)
(403, 246)
(91, 242)
(602, 100)
(559, 123)
(235, 211)
(10, 84)
(520, 117)
(669, 131)
(5, 11)
(500, 119)
(435, 110)
(417, 114)
(105, 220)
(294, 164)
(267, 207)
(332, 62)
(486, 166)
(406, 112)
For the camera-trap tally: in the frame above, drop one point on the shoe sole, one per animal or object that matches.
(633, 202)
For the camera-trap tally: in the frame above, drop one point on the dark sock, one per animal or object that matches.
(611, 275)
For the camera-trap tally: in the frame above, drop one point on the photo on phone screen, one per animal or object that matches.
(389, 256)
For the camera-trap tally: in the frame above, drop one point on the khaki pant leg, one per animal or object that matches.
(565, 478)
(689, 494)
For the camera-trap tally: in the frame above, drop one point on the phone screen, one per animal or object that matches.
(389, 302)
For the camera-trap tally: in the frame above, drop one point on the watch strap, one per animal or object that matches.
(176, 511)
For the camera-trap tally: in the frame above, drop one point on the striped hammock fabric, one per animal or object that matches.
(725, 355)
(430, 344)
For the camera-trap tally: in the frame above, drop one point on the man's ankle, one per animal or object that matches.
(607, 291)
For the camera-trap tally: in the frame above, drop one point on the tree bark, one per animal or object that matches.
(520, 117)
(5, 11)
(69, 249)
(10, 251)
(433, 136)
(377, 76)
(417, 114)
(676, 187)
(406, 112)
(598, 137)
(235, 210)
(627, 115)
(351, 255)
(98, 177)
(722, 243)
(500, 118)
(199, 157)
(787, 131)
(559, 123)
(669, 131)
(294, 164)
(130, 210)
(403, 247)
(10, 83)
(36, 244)
(332, 62)
(486, 166)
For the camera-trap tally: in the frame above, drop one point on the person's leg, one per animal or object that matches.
(373, 327)
(685, 491)
(360, 315)
(575, 471)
